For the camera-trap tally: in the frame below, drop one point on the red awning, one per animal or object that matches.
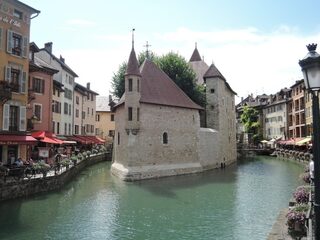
(93, 139)
(17, 139)
(49, 140)
(86, 139)
(46, 137)
(101, 140)
(291, 141)
(77, 139)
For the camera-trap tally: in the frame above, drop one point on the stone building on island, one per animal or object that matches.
(157, 130)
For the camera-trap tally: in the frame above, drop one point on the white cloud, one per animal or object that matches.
(252, 61)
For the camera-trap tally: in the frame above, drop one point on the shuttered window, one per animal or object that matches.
(37, 111)
(23, 122)
(17, 44)
(9, 41)
(23, 82)
(5, 122)
(1, 37)
(16, 78)
(38, 85)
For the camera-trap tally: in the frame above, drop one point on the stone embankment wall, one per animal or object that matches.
(24, 188)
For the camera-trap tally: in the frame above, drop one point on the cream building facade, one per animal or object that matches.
(84, 110)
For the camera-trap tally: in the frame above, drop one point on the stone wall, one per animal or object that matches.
(208, 149)
(24, 188)
(221, 116)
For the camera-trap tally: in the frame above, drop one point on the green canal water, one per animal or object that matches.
(240, 202)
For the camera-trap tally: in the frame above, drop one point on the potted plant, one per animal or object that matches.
(88, 153)
(41, 167)
(296, 218)
(301, 195)
(74, 159)
(80, 156)
(305, 177)
(66, 163)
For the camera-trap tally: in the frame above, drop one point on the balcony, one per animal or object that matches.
(5, 91)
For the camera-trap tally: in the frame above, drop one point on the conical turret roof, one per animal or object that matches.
(195, 56)
(133, 65)
(213, 72)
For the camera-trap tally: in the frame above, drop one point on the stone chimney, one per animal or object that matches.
(48, 46)
(88, 85)
(61, 59)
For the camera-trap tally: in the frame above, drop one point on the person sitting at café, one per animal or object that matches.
(29, 162)
(18, 162)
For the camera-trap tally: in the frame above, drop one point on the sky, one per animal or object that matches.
(255, 44)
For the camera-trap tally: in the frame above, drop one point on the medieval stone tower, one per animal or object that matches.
(220, 109)
(220, 112)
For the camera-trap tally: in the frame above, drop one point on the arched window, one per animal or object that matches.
(165, 138)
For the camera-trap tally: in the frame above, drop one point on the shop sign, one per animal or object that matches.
(11, 21)
(9, 143)
(43, 152)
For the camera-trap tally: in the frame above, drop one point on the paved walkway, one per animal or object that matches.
(279, 229)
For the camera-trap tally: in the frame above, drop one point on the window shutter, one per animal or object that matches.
(1, 38)
(22, 126)
(9, 41)
(5, 122)
(23, 82)
(43, 85)
(7, 73)
(25, 47)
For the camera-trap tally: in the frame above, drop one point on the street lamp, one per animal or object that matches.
(310, 66)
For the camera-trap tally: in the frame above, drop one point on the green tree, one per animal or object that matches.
(117, 81)
(250, 120)
(178, 69)
(175, 66)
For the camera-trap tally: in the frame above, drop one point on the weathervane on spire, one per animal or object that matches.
(147, 49)
(196, 44)
(133, 29)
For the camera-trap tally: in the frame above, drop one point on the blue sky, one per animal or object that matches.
(255, 44)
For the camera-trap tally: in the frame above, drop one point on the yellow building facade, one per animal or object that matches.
(105, 123)
(15, 20)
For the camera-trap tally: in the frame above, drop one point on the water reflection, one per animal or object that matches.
(240, 202)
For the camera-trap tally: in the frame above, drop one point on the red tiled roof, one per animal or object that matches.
(133, 66)
(158, 88)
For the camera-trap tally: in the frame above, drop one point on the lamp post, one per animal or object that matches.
(310, 66)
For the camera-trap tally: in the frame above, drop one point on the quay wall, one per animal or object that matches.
(25, 188)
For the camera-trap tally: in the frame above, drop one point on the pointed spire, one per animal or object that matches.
(195, 55)
(133, 65)
(133, 29)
